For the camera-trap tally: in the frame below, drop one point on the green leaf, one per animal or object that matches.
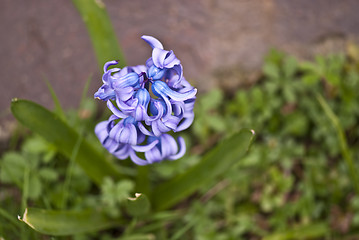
(138, 206)
(101, 32)
(60, 223)
(213, 164)
(54, 130)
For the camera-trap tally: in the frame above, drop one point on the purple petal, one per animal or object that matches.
(139, 69)
(186, 123)
(168, 105)
(127, 134)
(113, 118)
(114, 132)
(143, 129)
(176, 79)
(158, 128)
(153, 42)
(160, 111)
(111, 145)
(128, 106)
(149, 62)
(130, 79)
(107, 76)
(172, 122)
(178, 108)
(161, 88)
(110, 63)
(124, 93)
(168, 145)
(158, 57)
(156, 73)
(182, 150)
(101, 131)
(122, 152)
(155, 129)
(154, 155)
(136, 159)
(105, 93)
(140, 113)
(115, 110)
(171, 60)
(145, 148)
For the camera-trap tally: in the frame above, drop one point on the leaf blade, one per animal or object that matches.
(61, 223)
(173, 191)
(101, 31)
(53, 129)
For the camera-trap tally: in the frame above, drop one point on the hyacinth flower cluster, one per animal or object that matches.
(147, 103)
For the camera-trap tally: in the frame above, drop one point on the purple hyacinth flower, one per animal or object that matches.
(141, 121)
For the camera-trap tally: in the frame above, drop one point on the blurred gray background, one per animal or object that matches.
(220, 43)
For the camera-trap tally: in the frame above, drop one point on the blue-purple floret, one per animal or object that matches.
(147, 103)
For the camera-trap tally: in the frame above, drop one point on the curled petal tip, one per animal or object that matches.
(153, 42)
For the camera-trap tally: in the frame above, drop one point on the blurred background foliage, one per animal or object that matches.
(298, 181)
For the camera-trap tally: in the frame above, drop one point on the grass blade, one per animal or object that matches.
(58, 108)
(342, 141)
(213, 164)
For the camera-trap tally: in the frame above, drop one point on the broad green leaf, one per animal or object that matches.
(213, 164)
(54, 130)
(60, 223)
(101, 32)
(138, 206)
(313, 231)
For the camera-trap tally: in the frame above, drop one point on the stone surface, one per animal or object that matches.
(220, 43)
